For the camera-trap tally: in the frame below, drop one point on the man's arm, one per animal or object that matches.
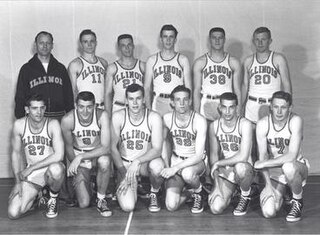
(143, 67)
(67, 91)
(67, 124)
(184, 62)
(166, 149)
(111, 71)
(245, 147)
(246, 79)
(105, 65)
(283, 68)
(74, 70)
(148, 77)
(237, 81)
(197, 82)
(16, 156)
(214, 148)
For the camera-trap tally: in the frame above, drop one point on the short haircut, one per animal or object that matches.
(35, 97)
(217, 29)
(134, 88)
(262, 30)
(178, 89)
(124, 36)
(282, 95)
(169, 27)
(44, 33)
(85, 96)
(87, 32)
(229, 96)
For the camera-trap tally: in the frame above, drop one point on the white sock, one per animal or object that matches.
(53, 194)
(101, 196)
(297, 196)
(198, 190)
(245, 193)
(154, 190)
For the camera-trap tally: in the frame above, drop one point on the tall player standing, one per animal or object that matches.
(42, 143)
(87, 72)
(164, 71)
(214, 73)
(136, 145)
(122, 73)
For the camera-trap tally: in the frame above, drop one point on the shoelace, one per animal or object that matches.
(197, 200)
(295, 209)
(153, 199)
(102, 203)
(52, 204)
(242, 203)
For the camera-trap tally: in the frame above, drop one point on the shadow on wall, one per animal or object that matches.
(306, 100)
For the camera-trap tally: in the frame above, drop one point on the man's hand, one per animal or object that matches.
(258, 165)
(132, 173)
(24, 174)
(169, 172)
(214, 168)
(73, 168)
(123, 187)
(17, 189)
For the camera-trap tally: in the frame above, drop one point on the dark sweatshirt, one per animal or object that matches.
(54, 86)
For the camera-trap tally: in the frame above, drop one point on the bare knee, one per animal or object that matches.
(83, 202)
(171, 204)
(104, 163)
(126, 205)
(156, 166)
(289, 170)
(13, 212)
(241, 169)
(268, 208)
(56, 170)
(188, 175)
(218, 205)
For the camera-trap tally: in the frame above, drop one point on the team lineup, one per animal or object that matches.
(209, 131)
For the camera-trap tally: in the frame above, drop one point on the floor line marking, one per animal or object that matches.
(126, 231)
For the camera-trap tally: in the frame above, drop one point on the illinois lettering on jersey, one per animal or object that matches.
(86, 137)
(264, 77)
(37, 146)
(184, 138)
(125, 77)
(216, 76)
(167, 74)
(91, 78)
(135, 140)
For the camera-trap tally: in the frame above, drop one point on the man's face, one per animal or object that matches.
(228, 109)
(44, 45)
(261, 41)
(168, 39)
(135, 101)
(126, 47)
(280, 109)
(217, 40)
(36, 110)
(88, 43)
(181, 102)
(85, 110)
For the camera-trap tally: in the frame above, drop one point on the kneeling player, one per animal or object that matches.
(187, 162)
(41, 139)
(86, 131)
(279, 138)
(136, 149)
(230, 147)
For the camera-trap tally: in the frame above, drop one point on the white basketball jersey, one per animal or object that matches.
(184, 138)
(216, 76)
(279, 140)
(230, 141)
(125, 77)
(86, 137)
(264, 78)
(135, 140)
(37, 146)
(91, 79)
(167, 74)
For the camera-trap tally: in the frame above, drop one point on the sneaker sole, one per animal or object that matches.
(52, 216)
(239, 213)
(106, 214)
(154, 209)
(196, 212)
(293, 219)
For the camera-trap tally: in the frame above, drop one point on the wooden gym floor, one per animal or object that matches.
(141, 221)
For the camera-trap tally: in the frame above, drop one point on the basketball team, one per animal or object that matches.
(210, 131)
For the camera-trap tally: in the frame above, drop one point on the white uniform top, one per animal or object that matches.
(184, 138)
(37, 146)
(167, 74)
(230, 141)
(135, 140)
(86, 137)
(279, 140)
(216, 76)
(264, 77)
(91, 79)
(125, 77)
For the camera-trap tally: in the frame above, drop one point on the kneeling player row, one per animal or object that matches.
(140, 143)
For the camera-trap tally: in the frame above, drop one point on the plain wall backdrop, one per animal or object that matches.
(294, 25)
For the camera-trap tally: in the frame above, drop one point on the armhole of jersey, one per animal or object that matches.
(139, 63)
(81, 67)
(172, 120)
(157, 56)
(206, 63)
(193, 116)
(178, 56)
(269, 116)
(275, 67)
(47, 127)
(147, 116)
(124, 121)
(289, 119)
(115, 64)
(98, 117)
(218, 124)
(25, 126)
(253, 59)
(239, 121)
(74, 119)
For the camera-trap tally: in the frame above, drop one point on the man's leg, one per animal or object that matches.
(174, 195)
(244, 177)
(295, 173)
(103, 177)
(81, 183)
